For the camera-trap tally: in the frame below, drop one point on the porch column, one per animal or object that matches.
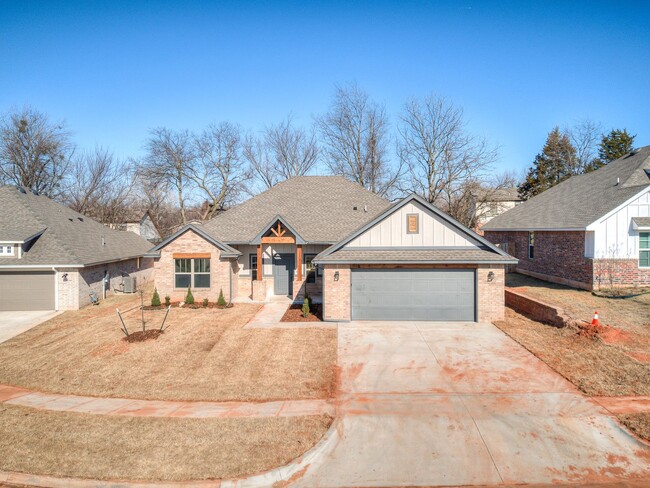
(260, 264)
(299, 261)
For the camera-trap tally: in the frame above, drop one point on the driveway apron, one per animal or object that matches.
(440, 404)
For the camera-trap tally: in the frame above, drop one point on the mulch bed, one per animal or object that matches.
(194, 306)
(141, 336)
(294, 313)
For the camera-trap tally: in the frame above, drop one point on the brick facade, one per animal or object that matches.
(336, 296)
(558, 257)
(490, 292)
(620, 272)
(221, 270)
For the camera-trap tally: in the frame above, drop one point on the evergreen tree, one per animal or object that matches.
(612, 146)
(155, 300)
(221, 301)
(552, 166)
(189, 298)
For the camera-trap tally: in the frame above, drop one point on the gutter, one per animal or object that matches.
(455, 261)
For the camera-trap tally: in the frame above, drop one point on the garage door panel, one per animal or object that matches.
(30, 290)
(427, 294)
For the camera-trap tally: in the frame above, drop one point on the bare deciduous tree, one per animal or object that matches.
(295, 151)
(218, 170)
(444, 162)
(585, 137)
(34, 152)
(260, 160)
(100, 186)
(354, 136)
(169, 154)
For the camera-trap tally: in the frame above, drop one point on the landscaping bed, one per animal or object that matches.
(294, 313)
(150, 449)
(202, 355)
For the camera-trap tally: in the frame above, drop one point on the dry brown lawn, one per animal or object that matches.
(639, 423)
(596, 368)
(139, 448)
(203, 355)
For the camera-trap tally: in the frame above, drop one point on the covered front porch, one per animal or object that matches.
(278, 262)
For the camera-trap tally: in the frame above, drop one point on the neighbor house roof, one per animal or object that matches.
(66, 237)
(321, 209)
(485, 252)
(581, 200)
(498, 195)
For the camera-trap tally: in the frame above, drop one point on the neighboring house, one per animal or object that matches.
(141, 224)
(489, 203)
(589, 229)
(365, 258)
(52, 257)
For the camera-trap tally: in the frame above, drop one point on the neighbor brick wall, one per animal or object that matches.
(91, 278)
(490, 294)
(622, 271)
(336, 296)
(220, 270)
(559, 256)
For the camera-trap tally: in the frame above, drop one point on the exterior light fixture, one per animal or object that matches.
(490, 276)
(65, 277)
(336, 276)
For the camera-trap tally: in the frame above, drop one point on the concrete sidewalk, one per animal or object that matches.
(430, 404)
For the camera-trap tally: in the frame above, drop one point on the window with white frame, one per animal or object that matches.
(6, 250)
(193, 273)
(531, 245)
(252, 265)
(311, 270)
(644, 249)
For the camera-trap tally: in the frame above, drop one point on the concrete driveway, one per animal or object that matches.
(14, 323)
(462, 404)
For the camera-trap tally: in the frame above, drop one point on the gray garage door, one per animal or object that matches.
(30, 290)
(413, 294)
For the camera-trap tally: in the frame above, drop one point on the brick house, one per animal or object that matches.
(52, 258)
(361, 256)
(589, 230)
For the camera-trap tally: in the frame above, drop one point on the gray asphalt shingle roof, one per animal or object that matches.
(642, 221)
(320, 209)
(580, 200)
(471, 255)
(68, 237)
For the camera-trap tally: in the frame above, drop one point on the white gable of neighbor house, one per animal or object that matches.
(614, 236)
(391, 231)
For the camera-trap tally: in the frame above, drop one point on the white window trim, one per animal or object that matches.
(644, 249)
(6, 249)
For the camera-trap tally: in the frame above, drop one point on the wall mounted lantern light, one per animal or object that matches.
(490, 276)
(65, 276)
(336, 276)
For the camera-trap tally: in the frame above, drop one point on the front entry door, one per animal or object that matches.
(283, 268)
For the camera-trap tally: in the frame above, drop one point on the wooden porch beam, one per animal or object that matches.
(278, 240)
(260, 264)
(299, 261)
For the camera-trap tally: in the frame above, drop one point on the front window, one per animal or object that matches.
(252, 264)
(644, 249)
(193, 273)
(531, 245)
(6, 250)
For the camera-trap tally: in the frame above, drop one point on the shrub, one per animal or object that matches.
(168, 301)
(222, 300)
(155, 300)
(205, 302)
(189, 298)
(305, 308)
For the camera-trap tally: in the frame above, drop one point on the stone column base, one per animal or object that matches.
(259, 291)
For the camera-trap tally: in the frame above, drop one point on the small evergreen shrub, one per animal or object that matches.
(205, 302)
(189, 298)
(168, 301)
(305, 307)
(155, 300)
(222, 300)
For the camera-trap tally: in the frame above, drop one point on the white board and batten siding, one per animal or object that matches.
(614, 236)
(392, 231)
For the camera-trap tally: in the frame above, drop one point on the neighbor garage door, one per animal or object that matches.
(30, 290)
(413, 294)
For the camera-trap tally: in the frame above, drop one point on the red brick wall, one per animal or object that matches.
(622, 271)
(536, 310)
(191, 242)
(557, 254)
(336, 294)
(490, 294)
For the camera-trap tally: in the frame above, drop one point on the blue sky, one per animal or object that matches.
(113, 70)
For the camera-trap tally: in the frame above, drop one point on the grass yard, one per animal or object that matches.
(616, 367)
(203, 355)
(139, 448)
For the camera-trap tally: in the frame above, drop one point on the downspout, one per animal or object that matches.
(230, 276)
